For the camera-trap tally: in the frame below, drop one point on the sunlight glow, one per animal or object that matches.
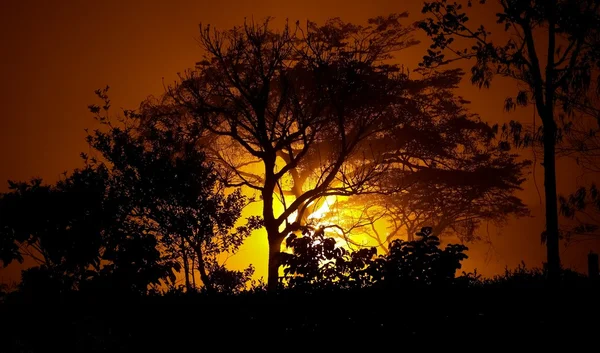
(324, 209)
(320, 218)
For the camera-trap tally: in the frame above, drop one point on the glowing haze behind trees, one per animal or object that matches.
(319, 111)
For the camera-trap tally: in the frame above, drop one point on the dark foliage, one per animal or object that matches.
(523, 277)
(317, 111)
(172, 192)
(316, 262)
(74, 231)
(61, 227)
(151, 207)
(110, 238)
(583, 208)
(420, 262)
(328, 320)
(560, 77)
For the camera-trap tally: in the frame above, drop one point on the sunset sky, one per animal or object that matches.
(56, 53)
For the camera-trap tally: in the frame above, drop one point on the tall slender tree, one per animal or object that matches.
(550, 49)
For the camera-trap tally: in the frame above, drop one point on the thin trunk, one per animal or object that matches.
(192, 272)
(202, 269)
(276, 238)
(186, 268)
(552, 248)
(553, 255)
(544, 100)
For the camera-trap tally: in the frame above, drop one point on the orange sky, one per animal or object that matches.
(56, 53)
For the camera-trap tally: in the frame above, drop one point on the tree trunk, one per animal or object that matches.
(202, 269)
(186, 268)
(551, 235)
(193, 267)
(274, 262)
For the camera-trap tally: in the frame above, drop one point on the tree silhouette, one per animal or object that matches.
(59, 226)
(560, 88)
(583, 207)
(151, 206)
(75, 232)
(171, 191)
(319, 111)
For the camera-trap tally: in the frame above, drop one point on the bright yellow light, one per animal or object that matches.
(292, 217)
(324, 209)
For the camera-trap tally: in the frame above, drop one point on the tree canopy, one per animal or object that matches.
(313, 111)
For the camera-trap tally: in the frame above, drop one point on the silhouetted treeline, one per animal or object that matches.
(130, 248)
(333, 319)
(285, 118)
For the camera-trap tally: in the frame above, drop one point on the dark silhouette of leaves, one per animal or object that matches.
(318, 263)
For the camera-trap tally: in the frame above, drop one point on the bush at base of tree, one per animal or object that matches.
(316, 262)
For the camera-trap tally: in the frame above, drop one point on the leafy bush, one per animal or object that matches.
(419, 262)
(523, 277)
(316, 262)
(229, 281)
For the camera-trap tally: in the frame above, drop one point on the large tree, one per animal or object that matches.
(550, 48)
(320, 111)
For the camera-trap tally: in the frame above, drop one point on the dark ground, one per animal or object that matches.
(487, 319)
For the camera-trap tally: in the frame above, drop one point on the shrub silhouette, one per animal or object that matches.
(534, 277)
(229, 281)
(419, 262)
(316, 262)
(41, 281)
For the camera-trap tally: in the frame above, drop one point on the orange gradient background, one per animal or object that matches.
(56, 53)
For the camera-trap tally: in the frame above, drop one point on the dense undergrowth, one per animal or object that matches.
(329, 299)
(463, 314)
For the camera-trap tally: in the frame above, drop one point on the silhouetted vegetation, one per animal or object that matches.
(397, 295)
(130, 249)
(583, 207)
(559, 77)
(316, 262)
(129, 222)
(312, 112)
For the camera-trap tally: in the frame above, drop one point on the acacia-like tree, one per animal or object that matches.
(317, 111)
(550, 49)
